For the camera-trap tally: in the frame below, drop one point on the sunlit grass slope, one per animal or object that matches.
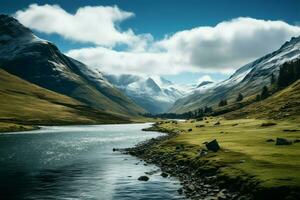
(245, 152)
(284, 103)
(24, 103)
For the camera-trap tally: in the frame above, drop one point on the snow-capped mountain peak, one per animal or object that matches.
(249, 79)
(153, 93)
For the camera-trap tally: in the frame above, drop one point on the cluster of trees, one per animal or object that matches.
(223, 102)
(199, 113)
(169, 115)
(288, 74)
(264, 94)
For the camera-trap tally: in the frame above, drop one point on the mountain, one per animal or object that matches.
(40, 62)
(22, 102)
(204, 83)
(282, 104)
(248, 80)
(154, 94)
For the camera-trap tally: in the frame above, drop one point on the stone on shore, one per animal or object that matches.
(213, 145)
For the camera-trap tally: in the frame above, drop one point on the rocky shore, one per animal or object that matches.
(197, 183)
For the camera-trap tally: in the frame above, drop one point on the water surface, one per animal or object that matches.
(77, 162)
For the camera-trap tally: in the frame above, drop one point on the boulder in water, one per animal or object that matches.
(143, 178)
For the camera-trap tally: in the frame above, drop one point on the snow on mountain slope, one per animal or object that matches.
(40, 62)
(154, 94)
(248, 80)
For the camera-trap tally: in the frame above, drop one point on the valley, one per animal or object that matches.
(231, 137)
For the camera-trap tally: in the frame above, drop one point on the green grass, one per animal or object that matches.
(23, 103)
(282, 104)
(11, 127)
(245, 154)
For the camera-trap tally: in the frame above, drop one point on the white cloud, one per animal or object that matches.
(229, 44)
(96, 25)
(204, 78)
(209, 49)
(115, 62)
(220, 49)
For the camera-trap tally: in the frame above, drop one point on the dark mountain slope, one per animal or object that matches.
(40, 62)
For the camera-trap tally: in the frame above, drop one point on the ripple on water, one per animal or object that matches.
(77, 162)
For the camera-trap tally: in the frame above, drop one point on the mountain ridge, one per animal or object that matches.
(154, 94)
(249, 79)
(40, 62)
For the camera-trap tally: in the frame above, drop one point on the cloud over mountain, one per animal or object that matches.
(210, 49)
(97, 25)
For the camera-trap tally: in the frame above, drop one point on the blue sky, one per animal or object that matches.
(161, 18)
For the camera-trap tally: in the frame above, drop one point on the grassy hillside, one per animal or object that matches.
(246, 156)
(285, 103)
(23, 103)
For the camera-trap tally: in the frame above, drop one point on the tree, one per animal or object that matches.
(208, 109)
(273, 79)
(240, 97)
(199, 113)
(264, 93)
(288, 73)
(257, 97)
(223, 102)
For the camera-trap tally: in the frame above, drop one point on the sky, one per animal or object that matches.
(184, 41)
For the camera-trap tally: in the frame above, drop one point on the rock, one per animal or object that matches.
(235, 124)
(296, 141)
(143, 178)
(165, 175)
(221, 196)
(283, 141)
(291, 130)
(190, 130)
(213, 145)
(200, 126)
(191, 188)
(268, 124)
(180, 191)
(270, 140)
(203, 153)
(218, 123)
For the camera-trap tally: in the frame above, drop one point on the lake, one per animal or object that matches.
(77, 162)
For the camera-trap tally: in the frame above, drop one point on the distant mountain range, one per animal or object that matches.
(154, 94)
(40, 62)
(248, 80)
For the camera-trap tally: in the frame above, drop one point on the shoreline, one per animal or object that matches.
(10, 126)
(201, 179)
(194, 186)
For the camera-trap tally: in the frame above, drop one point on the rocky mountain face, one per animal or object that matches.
(40, 62)
(248, 80)
(154, 94)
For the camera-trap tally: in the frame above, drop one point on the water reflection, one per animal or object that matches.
(77, 162)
